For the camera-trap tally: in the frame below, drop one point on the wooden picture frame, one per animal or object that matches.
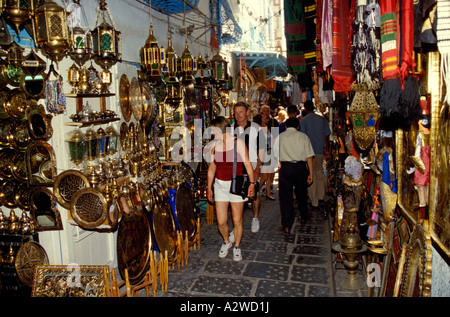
(70, 281)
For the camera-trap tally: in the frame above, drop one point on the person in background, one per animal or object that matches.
(250, 132)
(318, 131)
(294, 151)
(292, 112)
(271, 124)
(282, 116)
(268, 165)
(220, 172)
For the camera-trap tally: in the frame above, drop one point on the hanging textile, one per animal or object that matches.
(341, 62)
(318, 24)
(366, 48)
(295, 35)
(326, 33)
(310, 29)
(443, 44)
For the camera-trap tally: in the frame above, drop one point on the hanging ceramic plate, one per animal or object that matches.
(124, 97)
(136, 99)
(89, 208)
(185, 210)
(134, 245)
(30, 255)
(67, 184)
(165, 230)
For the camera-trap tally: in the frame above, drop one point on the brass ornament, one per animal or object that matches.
(89, 208)
(124, 97)
(364, 115)
(185, 210)
(149, 104)
(29, 255)
(165, 229)
(43, 209)
(136, 99)
(67, 184)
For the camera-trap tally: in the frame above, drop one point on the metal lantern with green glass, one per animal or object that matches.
(106, 42)
(77, 146)
(91, 144)
(51, 31)
(219, 67)
(81, 40)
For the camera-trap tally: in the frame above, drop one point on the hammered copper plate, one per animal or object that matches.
(165, 230)
(67, 184)
(124, 97)
(89, 208)
(185, 210)
(136, 99)
(30, 255)
(134, 246)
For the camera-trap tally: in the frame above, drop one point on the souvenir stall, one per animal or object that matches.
(387, 192)
(90, 149)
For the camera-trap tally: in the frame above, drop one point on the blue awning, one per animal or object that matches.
(274, 63)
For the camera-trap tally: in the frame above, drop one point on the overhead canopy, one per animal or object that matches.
(274, 63)
(172, 6)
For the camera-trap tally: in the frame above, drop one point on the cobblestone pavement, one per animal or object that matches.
(275, 264)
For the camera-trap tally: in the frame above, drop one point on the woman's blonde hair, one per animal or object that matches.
(282, 115)
(221, 122)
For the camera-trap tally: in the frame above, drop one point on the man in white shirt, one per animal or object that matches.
(295, 153)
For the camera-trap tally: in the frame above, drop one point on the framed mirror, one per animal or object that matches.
(43, 209)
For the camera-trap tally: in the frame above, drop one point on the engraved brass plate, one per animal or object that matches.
(124, 97)
(136, 99)
(149, 104)
(134, 245)
(67, 184)
(30, 255)
(89, 208)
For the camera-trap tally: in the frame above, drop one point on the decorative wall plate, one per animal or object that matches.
(67, 184)
(165, 230)
(124, 97)
(136, 99)
(149, 104)
(30, 255)
(185, 210)
(134, 245)
(89, 208)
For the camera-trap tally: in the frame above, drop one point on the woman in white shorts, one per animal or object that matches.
(220, 172)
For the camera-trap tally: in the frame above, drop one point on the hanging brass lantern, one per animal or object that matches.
(77, 145)
(52, 35)
(173, 85)
(188, 65)
(203, 73)
(106, 80)
(15, 54)
(106, 42)
(17, 12)
(150, 56)
(33, 65)
(81, 48)
(364, 115)
(219, 67)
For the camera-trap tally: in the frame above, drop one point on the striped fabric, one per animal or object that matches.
(295, 32)
(443, 26)
(388, 36)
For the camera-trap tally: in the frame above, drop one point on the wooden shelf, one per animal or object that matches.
(80, 97)
(88, 123)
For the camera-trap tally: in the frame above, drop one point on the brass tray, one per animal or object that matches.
(165, 230)
(89, 208)
(30, 255)
(136, 99)
(67, 184)
(134, 245)
(124, 97)
(149, 104)
(185, 210)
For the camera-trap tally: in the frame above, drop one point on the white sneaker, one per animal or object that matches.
(224, 249)
(231, 237)
(255, 225)
(237, 256)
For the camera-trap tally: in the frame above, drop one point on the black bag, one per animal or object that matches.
(239, 184)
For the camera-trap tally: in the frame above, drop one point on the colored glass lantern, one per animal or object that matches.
(219, 67)
(150, 57)
(91, 144)
(106, 40)
(113, 140)
(188, 65)
(77, 146)
(17, 12)
(103, 142)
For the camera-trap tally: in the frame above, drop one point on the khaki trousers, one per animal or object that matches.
(316, 191)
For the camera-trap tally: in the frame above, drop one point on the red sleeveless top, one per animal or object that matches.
(224, 165)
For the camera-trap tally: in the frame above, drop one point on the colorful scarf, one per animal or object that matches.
(341, 61)
(295, 32)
